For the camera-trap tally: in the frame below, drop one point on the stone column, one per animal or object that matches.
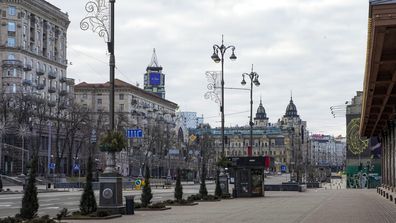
(385, 159)
(388, 166)
(394, 154)
(390, 156)
(382, 159)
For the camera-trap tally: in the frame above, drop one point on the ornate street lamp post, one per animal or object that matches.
(253, 76)
(100, 19)
(215, 57)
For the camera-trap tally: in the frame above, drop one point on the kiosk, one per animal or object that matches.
(248, 174)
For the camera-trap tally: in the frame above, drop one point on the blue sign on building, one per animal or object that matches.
(283, 168)
(155, 78)
(134, 133)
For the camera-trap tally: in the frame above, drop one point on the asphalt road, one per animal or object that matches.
(52, 203)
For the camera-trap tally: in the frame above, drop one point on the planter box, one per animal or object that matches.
(208, 200)
(83, 217)
(153, 209)
(187, 204)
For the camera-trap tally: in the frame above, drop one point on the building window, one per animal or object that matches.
(11, 72)
(11, 42)
(121, 96)
(11, 10)
(11, 27)
(121, 107)
(85, 96)
(99, 101)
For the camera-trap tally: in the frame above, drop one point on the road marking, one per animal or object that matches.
(49, 208)
(5, 205)
(44, 205)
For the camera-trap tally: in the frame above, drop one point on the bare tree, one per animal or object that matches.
(77, 119)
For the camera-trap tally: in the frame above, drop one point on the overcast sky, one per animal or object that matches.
(314, 48)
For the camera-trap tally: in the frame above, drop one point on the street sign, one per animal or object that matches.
(51, 166)
(76, 167)
(134, 133)
(138, 182)
(283, 168)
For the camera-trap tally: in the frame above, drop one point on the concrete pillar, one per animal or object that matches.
(386, 159)
(394, 155)
(389, 133)
(391, 156)
(388, 166)
(382, 159)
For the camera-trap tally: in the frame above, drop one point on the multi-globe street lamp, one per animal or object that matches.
(218, 56)
(253, 76)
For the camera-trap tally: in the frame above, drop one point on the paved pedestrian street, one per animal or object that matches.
(313, 206)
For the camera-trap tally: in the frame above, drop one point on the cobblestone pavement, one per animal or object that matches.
(313, 206)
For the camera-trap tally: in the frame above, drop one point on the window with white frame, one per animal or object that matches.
(11, 10)
(11, 27)
(11, 42)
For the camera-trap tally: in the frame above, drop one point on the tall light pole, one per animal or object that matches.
(100, 19)
(215, 57)
(253, 76)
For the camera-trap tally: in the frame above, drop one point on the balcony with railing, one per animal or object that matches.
(63, 93)
(40, 86)
(52, 75)
(51, 90)
(27, 67)
(12, 63)
(27, 82)
(51, 103)
(63, 79)
(40, 71)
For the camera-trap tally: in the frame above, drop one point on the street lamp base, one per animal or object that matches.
(110, 197)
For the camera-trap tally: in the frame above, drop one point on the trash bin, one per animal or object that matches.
(129, 205)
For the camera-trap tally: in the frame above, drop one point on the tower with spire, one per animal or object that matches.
(291, 117)
(154, 79)
(261, 119)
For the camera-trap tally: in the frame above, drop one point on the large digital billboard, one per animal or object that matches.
(155, 78)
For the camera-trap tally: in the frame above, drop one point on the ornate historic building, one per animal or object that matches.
(282, 141)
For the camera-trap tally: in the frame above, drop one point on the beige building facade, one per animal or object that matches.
(140, 110)
(33, 39)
